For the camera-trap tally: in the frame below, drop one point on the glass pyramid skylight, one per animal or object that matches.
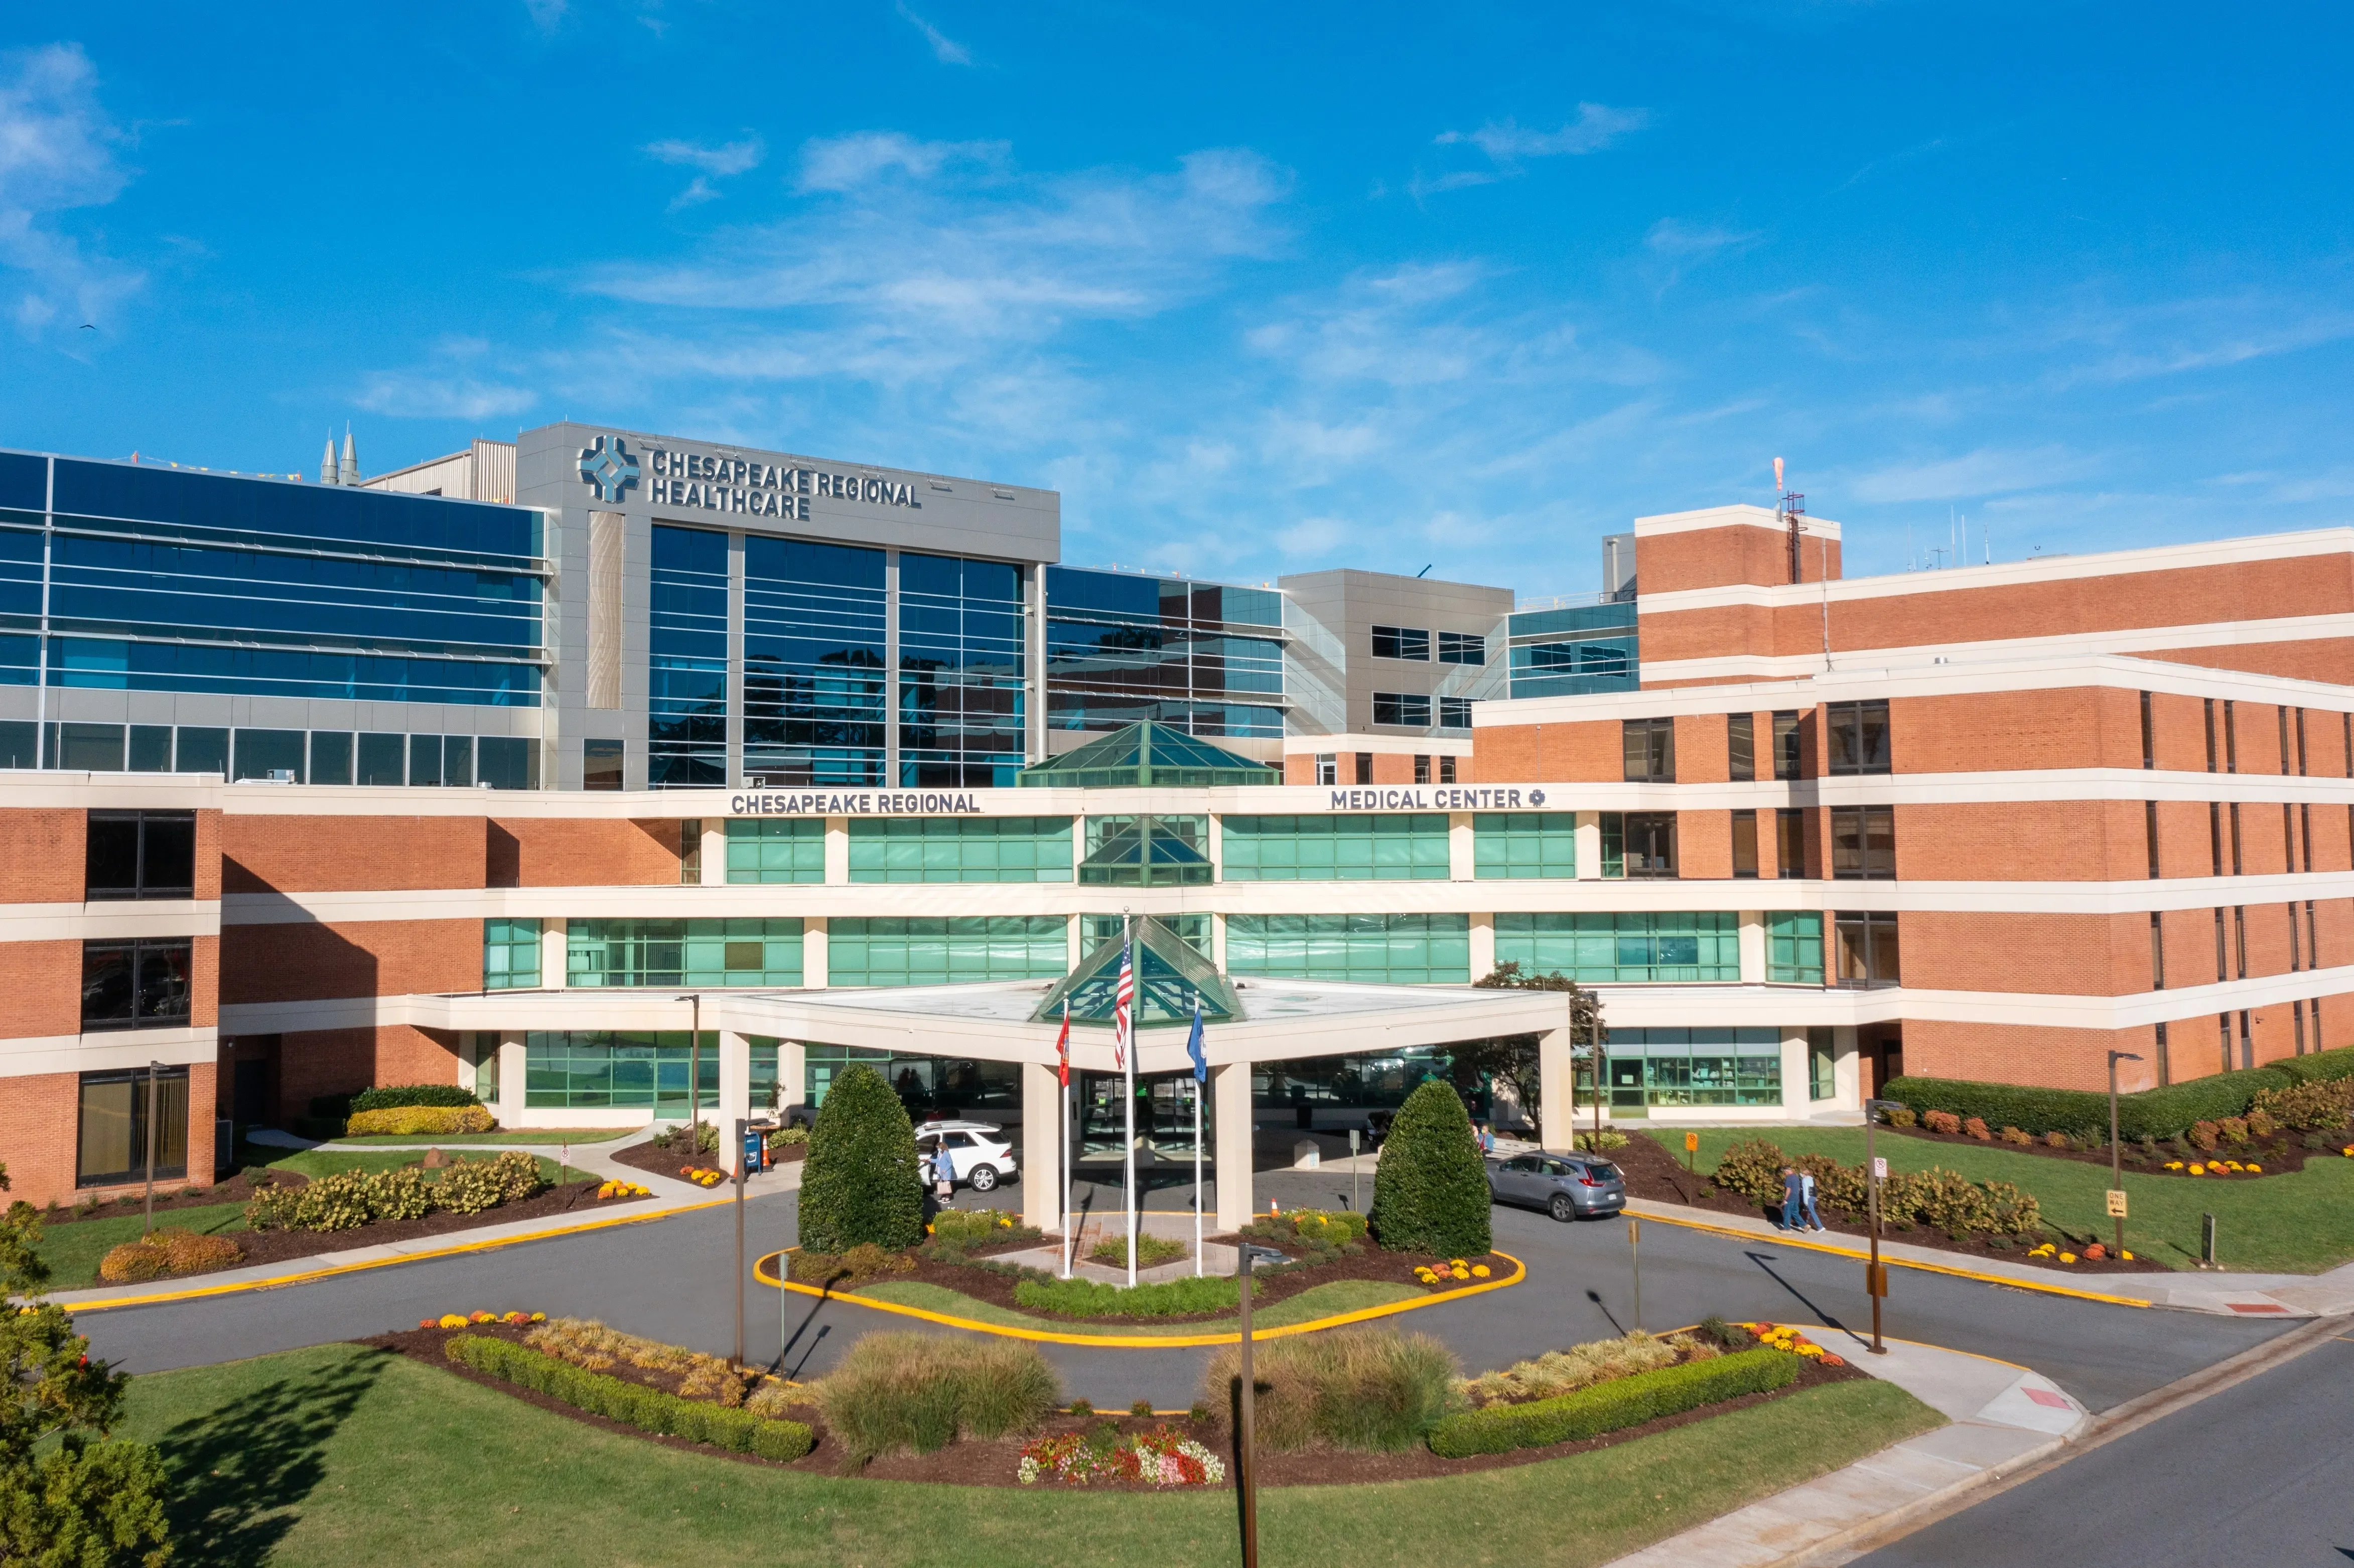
(1169, 975)
(1145, 754)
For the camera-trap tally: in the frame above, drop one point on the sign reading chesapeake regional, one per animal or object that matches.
(853, 803)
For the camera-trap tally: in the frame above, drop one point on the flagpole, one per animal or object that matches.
(1064, 1049)
(1201, 1084)
(1128, 959)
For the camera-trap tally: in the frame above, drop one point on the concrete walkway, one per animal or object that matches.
(2222, 1292)
(2002, 1417)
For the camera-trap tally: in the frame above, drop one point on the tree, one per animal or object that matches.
(90, 1500)
(1513, 1057)
(858, 1180)
(1430, 1190)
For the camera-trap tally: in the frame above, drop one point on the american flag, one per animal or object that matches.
(1123, 1002)
(1063, 1047)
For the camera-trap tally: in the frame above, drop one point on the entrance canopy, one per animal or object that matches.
(1147, 755)
(1170, 977)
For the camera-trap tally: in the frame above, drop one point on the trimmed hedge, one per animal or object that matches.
(2322, 1067)
(2152, 1113)
(414, 1121)
(1611, 1406)
(391, 1097)
(633, 1405)
(1430, 1188)
(1096, 1298)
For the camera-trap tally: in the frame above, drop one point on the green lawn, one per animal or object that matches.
(1324, 1300)
(324, 1162)
(586, 1136)
(337, 1455)
(2294, 1223)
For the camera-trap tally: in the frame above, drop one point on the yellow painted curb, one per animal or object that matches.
(453, 1250)
(1901, 1263)
(766, 1272)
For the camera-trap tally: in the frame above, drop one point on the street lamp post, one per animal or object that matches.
(1875, 1278)
(2116, 1154)
(1246, 1257)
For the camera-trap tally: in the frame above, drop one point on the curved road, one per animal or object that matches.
(669, 1279)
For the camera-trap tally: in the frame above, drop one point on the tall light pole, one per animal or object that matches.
(694, 1077)
(155, 1067)
(1246, 1257)
(1875, 1278)
(2116, 1155)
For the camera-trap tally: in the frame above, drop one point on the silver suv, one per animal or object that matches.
(1569, 1186)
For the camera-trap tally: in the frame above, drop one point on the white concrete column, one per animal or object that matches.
(1075, 942)
(1589, 846)
(1462, 848)
(1042, 1146)
(734, 1096)
(1218, 941)
(1556, 1077)
(1795, 1077)
(1218, 850)
(837, 847)
(1846, 1068)
(555, 967)
(514, 1062)
(815, 952)
(715, 852)
(1483, 946)
(792, 1075)
(1230, 1102)
(1753, 947)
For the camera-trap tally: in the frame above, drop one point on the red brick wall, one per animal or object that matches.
(42, 982)
(555, 852)
(1542, 753)
(2029, 1054)
(2057, 955)
(2021, 841)
(1703, 844)
(340, 1060)
(41, 856)
(325, 855)
(1736, 553)
(303, 962)
(39, 1136)
(2016, 731)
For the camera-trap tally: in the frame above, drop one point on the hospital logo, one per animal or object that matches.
(609, 467)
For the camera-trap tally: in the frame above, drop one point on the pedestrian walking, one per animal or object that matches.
(943, 1177)
(1791, 1200)
(1807, 1202)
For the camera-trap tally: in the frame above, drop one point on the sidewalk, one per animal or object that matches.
(2001, 1417)
(671, 1196)
(2224, 1294)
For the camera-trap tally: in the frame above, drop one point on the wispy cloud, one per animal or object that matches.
(846, 163)
(57, 154)
(1508, 142)
(726, 159)
(447, 394)
(1984, 472)
(944, 49)
(548, 14)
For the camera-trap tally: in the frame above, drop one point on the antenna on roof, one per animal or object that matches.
(1426, 571)
(1790, 508)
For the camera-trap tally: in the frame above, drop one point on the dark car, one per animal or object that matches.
(1569, 1186)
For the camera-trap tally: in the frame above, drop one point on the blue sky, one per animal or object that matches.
(1257, 288)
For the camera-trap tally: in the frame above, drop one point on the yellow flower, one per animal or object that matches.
(2067, 1257)
(2174, 1165)
(451, 1320)
(2256, 1169)
(539, 1316)
(1480, 1269)
(1460, 1273)
(2198, 1171)
(2126, 1255)
(1454, 1263)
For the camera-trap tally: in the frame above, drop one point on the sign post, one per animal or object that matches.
(1635, 1257)
(1691, 1153)
(1246, 1257)
(1352, 1169)
(1875, 1273)
(2116, 1155)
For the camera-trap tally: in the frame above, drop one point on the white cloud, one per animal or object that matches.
(727, 158)
(57, 154)
(441, 395)
(944, 49)
(1984, 473)
(1312, 537)
(548, 14)
(847, 162)
(1670, 237)
(1597, 126)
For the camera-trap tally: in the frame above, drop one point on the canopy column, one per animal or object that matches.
(1042, 1146)
(1556, 1074)
(1230, 1101)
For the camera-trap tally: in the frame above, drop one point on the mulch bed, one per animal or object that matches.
(996, 1464)
(656, 1161)
(1659, 1175)
(2279, 1155)
(1266, 1289)
(233, 1189)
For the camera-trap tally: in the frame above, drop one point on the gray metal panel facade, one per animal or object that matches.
(1345, 605)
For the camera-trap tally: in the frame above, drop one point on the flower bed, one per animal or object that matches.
(2256, 1144)
(1156, 1458)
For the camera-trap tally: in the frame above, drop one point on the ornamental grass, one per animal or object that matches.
(1582, 1366)
(591, 1345)
(923, 1392)
(1369, 1390)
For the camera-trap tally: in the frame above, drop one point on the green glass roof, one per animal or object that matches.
(1145, 754)
(1169, 975)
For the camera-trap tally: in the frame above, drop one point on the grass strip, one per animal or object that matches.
(1328, 1299)
(74, 1250)
(339, 1457)
(1612, 1407)
(2298, 1222)
(617, 1399)
(585, 1138)
(1098, 1299)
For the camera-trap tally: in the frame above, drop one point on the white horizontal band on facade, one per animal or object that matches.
(2012, 574)
(2128, 642)
(110, 1051)
(1709, 518)
(105, 920)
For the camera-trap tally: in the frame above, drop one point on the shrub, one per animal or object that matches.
(2055, 1139)
(336, 1203)
(2261, 1123)
(1941, 1121)
(1151, 1250)
(1371, 1390)
(398, 1195)
(858, 1182)
(1902, 1116)
(1430, 1190)
(470, 1186)
(1602, 1142)
(420, 1121)
(633, 1405)
(1841, 1186)
(954, 1231)
(2013, 1135)
(2153, 1113)
(188, 1252)
(1094, 1298)
(2205, 1136)
(925, 1391)
(133, 1263)
(1580, 1366)
(689, 1137)
(2233, 1129)
(1627, 1401)
(2322, 1105)
(2321, 1067)
(862, 1262)
(1976, 1127)
(395, 1096)
(1752, 1168)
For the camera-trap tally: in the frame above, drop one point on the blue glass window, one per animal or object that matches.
(686, 692)
(114, 665)
(814, 699)
(960, 672)
(1122, 649)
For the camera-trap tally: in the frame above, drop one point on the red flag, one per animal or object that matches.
(1063, 1047)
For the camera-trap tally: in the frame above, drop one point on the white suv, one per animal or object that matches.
(976, 1155)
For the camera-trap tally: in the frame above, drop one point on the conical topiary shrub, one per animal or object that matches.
(858, 1181)
(1430, 1191)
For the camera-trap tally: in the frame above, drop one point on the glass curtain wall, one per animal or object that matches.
(1623, 947)
(1574, 652)
(1380, 949)
(1200, 657)
(1405, 847)
(1694, 1068)
(738, 952)
(946, 950)
(167, 580)
(814, 629)
(687, 685)
(610, 1069)
(960, 672)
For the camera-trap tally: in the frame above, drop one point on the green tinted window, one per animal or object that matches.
(683, 952)
(1402, 847)
(620, 1070)
(1524, 844)
(1624, 946)
(1794, 948)
(961, 849)
(510, 954)
(776, 849)
(946, 950)
(1392, 950)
